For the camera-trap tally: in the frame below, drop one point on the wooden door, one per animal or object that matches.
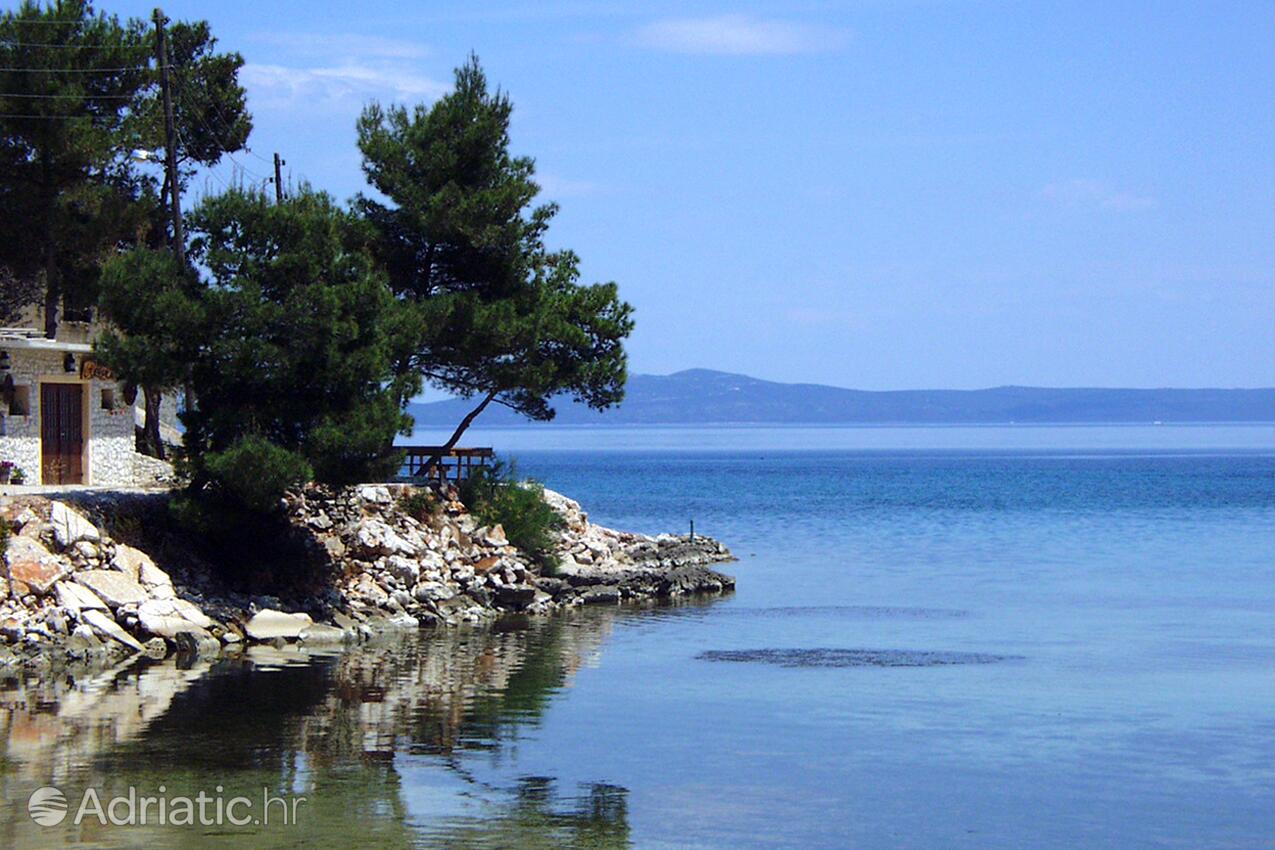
(62, 433)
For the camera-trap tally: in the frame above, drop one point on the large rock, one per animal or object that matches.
(70, 526)
(496, 536)
(102, 623)
(167, 626)
(129, 561)
(374, 538)
(405, 570)
(268, 624)
(178, 608)
(375, 494)
(77, 598)
(432, 591)
(113, 587)
(321, 633)
(515, 596)
(33, 565)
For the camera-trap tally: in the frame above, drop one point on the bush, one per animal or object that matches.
(496, 496)
(255, 472)
(6, 531)
(420, 505)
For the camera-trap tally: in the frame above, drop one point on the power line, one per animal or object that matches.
(71, 70)
(68, 96)
(12, 43)
(48, 117)
(194, 113)
(12, 19)
(257, 155)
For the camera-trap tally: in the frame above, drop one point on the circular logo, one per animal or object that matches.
(47, 806)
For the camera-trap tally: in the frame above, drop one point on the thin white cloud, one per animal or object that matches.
(345, 46)
(341, 84)
(1096, 194)
(554, 187)
(738, 35)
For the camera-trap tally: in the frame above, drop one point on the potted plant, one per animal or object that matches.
(18, 476)
(6, 470)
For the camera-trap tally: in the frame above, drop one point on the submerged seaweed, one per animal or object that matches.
(852, 657)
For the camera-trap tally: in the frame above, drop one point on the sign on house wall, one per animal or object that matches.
(91, 370)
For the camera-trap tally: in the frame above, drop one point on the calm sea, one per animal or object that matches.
(942, 637)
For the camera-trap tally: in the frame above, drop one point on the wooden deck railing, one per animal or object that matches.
(436, 464)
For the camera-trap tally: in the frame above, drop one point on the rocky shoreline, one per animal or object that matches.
(73, 593)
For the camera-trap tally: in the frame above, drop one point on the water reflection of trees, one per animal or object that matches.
(335, 728)
(539, 817)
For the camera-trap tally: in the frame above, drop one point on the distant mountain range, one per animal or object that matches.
(703, 396)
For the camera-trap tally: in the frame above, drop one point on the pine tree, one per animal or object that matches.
(496, 314)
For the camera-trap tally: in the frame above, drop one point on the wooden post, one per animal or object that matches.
(278, 179)
(170, 138)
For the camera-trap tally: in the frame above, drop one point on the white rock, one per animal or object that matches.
(268, 624)
(70, 526)
(432, 591)
(112, 587)
(152, 576)
(170, 627)
(129, 560)
(181, 608)
(376, 538)
(102, 623)
(376, 495)
(76, 597)
(321, 633)
(405, 570)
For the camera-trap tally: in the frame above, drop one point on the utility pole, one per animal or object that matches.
(278, 178)
(170, 137)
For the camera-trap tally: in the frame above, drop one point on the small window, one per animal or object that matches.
(20, 404)
(108, 398)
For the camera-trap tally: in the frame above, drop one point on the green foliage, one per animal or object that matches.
(15, 294)
(286, 343)
(80, 93)
(6, 531)
(147, 297)
(496, 496)
(66, 188)
(257, 471)
(496, 314)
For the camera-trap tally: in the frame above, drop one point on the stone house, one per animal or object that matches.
(64, 419)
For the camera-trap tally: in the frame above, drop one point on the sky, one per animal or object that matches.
(880, 194)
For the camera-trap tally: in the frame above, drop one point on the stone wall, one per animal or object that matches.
(109, 454)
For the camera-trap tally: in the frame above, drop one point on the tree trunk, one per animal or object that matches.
(152, 439)
(52, 285)
(467, 421)
(52, 289)
(437, 460)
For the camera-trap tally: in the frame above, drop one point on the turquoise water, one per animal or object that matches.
(1137, 587)
(1102, 602)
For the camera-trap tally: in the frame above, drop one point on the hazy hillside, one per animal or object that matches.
(704, 396)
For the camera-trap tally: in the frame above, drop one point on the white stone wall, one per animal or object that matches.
(109, 437)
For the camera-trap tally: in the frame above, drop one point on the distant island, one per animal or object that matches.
(705, 396)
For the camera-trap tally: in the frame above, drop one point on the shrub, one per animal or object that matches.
(255, 471)
(496, 496)
(6, 531)
(420, 505)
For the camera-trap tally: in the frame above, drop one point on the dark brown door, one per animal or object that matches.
(62, 433)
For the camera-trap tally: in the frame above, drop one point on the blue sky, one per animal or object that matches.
(871, 194)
